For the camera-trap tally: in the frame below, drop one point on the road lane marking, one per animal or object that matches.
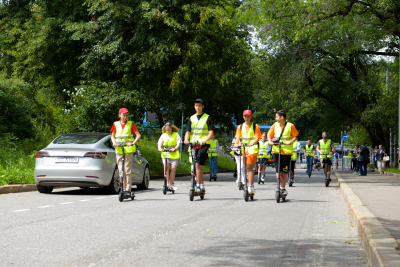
(65, 203)
(20, 210)
(42, 207)
(85, 200)
(100, 197)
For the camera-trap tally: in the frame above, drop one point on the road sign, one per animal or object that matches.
(345, 137)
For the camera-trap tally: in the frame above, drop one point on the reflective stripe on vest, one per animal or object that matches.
(170, 142)
(199, 128)
(309, 150)
(213, 149)
(263, 148)
(294, 156)
(286, 136)
(325, 147)
(247, 138)
(123, 137)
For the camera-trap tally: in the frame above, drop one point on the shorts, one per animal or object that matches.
(285, 161)
(202, 155)
(251, 159)
(174, 162)
(262, 161)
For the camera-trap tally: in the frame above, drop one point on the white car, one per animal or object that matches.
(85, 160)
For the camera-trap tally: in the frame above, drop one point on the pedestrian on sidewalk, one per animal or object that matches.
(336, 155)
(356, 155)
(170, 140)
(363, 159)
(374, 153)
(379, 159)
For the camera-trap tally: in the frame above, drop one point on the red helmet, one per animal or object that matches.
(123, 110)
(247, 112)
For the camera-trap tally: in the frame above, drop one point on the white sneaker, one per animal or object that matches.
(262, 178)
(237, 180)
(171, 187)
(251, 190)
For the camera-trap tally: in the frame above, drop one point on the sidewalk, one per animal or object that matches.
(380, 195)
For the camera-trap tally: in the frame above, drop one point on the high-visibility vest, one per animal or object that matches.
(124, 136)
(170, 142)
(213, 149)
(190, 156)
(309, 150)
(294, 156)
(350, 155)
(286, 136)
(263, 147)
(199, 128)
(325, 147)
(247, 138)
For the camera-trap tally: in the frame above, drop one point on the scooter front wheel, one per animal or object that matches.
(278, 196)
(191, 194)
(164, 190)
(246, 195)
(240, 185)
(120, 197)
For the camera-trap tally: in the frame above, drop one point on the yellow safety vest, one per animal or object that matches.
(213, 149)
(124, 136)
(286, 136)
(170, 142)
(325, 147)
(263, 147)
(247, 138)
(199, 128)
(309, 150)
(294, 156)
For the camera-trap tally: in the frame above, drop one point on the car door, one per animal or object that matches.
(137, 169)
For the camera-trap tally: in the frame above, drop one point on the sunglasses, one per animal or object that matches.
(168, 124)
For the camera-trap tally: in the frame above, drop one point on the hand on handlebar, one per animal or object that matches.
(186, 142)
(288, 143)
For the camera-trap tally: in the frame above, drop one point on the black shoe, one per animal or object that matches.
(284, 192)
(127, 194)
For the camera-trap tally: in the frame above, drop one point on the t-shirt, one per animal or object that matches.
(271, 133)
(247, 128)
(210, 124)
(114, 129)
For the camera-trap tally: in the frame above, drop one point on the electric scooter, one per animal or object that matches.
(240, 184)
(245, 187)
(192, 193)
(290, 180)
(121, 195)
(327, 181)
(278, 191)
(165, 187)
(259, 172)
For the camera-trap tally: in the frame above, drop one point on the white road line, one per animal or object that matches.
(20, 210)
(65, 203)
(85, 200)
(100, 197)
(42, 207)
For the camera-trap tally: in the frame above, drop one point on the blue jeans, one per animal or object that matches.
(213, 165)
(376, 163)
(309, 160)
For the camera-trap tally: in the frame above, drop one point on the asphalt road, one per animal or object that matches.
(78, 227)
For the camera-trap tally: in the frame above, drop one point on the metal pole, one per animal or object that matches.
(341, 143)
(180, 160)
(399, 98)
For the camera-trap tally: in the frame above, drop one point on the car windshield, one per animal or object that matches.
(79, 138)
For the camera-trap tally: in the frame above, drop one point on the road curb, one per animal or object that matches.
(18, 188)
(378, 244)
(392, 174)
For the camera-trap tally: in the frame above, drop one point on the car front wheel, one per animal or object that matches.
(146, 179)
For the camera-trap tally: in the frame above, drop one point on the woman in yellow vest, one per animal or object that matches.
(122, 134)
(248, 133)
(171, 140)
(213, 157)
(287, 133)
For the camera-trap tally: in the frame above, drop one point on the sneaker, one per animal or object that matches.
(284, 192)
(251, 190)
(174, 188)
(262, 179)
(202, 189)
(197, 189)
(127, 194)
